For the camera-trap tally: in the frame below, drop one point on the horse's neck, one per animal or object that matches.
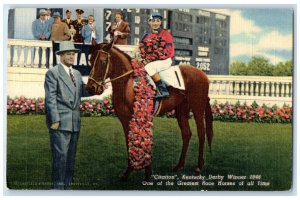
(121, 65)
(120, 62)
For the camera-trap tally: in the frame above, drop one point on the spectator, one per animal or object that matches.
(49, 19)
(78, 24)
(89, 31)
(59, 30)
(41, 31)
(68, 19)
(119, 30)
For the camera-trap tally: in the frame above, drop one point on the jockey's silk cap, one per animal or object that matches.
(155, 15)
(65, 46)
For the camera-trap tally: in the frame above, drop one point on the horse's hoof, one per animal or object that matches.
(124, 178)
(125, 175)
(197, 170)
(147, 176)
(177, 168)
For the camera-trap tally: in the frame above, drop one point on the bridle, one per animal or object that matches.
(101, 84)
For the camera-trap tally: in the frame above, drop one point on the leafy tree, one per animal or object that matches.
(238, 68)
(259, 66)
(283, 69)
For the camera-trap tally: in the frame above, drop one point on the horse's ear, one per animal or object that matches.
(94, 43)
(108, 46)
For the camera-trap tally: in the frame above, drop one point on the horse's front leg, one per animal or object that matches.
(148, 173)
(125, 123)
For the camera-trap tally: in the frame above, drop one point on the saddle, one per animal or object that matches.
(171, 76)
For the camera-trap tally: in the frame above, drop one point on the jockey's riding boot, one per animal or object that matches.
(162, 91)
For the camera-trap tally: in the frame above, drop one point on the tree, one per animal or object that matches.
(259, 66)
(283, 69)
(238, 68)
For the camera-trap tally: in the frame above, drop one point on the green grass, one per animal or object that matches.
(241, 149)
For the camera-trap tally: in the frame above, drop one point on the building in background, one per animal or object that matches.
(201, 37)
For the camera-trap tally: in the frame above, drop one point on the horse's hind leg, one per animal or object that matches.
(182, 115)
(199, 118)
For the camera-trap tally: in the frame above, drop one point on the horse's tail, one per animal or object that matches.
(208, 123)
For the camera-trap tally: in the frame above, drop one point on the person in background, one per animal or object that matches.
(49, 19)
(41, 30)
(119, 30)
(68, 20)
(89, 31)
(153, 67)
(59, 30)
(63, 90)
(78, 24)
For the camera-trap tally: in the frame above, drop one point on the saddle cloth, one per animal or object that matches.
(172, 77)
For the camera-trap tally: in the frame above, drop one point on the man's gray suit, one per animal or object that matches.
(63, 106)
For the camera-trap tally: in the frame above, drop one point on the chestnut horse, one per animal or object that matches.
(108, 61)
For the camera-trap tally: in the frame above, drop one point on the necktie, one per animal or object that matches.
(72, 77)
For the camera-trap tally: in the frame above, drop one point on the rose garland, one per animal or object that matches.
(140, 139)
(154, 48)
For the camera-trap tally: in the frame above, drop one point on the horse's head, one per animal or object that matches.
(101, 67)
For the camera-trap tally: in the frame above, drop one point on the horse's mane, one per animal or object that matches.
(122, 52)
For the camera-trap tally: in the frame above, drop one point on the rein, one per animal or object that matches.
(103, 82)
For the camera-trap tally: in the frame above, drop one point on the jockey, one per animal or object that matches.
(164, 53)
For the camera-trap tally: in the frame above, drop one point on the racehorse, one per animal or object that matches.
(108, 61)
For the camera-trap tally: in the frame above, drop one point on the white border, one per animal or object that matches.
(24, 194)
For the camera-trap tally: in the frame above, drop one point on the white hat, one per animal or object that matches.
(66, 46)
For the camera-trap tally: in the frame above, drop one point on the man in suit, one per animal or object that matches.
(119, 30)
(89, 31)
(59, 30)
(41, 30)
(63, 89)
(68, 19)
(49, 19)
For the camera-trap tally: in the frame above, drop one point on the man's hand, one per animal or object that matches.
(145, 61)
(55, 125)
(43, 37)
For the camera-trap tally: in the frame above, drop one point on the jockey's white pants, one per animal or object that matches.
(158, 66)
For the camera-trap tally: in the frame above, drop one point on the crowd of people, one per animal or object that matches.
(80, 30)
(55, 28)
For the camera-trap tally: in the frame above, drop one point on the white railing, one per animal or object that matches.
(24, 53)
(262, 89)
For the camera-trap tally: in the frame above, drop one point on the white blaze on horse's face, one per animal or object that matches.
(155, 23)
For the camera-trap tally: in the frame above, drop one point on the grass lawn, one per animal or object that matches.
(262, 153)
